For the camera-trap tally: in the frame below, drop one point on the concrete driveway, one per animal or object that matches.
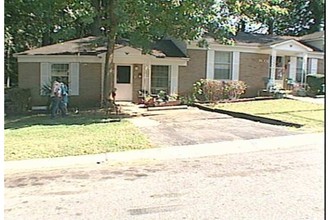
(194, 126)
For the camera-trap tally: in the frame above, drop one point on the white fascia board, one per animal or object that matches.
(60, 58)
(236, 48)
(141, 59)
(316, 55)
(149, 59)
(230, 48)
(291, 42)
(169, 61)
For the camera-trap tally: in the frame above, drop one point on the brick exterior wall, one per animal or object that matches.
(137, 81)
(320, 66)
(29, 78)
(89, 86)
(89, 77)
(253, 69)
(194, 71)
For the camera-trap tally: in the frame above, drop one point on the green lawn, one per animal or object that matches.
(37, 136)
(310, 115)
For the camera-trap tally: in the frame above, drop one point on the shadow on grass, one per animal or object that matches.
(84, 118)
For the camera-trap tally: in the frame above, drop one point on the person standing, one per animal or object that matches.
(64, 99)
(55, 97)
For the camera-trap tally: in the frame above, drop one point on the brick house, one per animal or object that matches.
(255, 59)
(171, 65)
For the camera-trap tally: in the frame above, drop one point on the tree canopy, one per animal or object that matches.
(35, 23)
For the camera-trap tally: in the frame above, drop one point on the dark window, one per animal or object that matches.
(124, 74)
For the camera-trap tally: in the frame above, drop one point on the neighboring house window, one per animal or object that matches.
(60, 71)
(299, 69)
(223, 65)
(160, 79)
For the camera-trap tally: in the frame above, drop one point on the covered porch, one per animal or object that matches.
(137, 74)
(289, 64)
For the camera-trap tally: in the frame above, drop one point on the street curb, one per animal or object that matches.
(249, 117)
(169, 153)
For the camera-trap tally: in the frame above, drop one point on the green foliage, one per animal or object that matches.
(281, 17)
(315, 84)
(305, 17)
(265, 12)
(216, 90)
(31, 24)
(17, 100)
(46, 89)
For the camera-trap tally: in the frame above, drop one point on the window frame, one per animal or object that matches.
(61, 76)
(229, 64)
(156, 89)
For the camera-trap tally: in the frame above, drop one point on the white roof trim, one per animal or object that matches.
(292, 42)
(122, 57)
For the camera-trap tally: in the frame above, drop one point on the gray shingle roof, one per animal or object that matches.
(313, 36)
(260, 39)
(249, 39)
(94, 46)
(83, 46)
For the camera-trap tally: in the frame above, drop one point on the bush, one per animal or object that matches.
(17, 100)
(216, 90)
(315, 84)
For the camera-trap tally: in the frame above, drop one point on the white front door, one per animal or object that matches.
(124, 83)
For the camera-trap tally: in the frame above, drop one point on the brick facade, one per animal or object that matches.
(194, 71)
(89, 86)
(29, 78)
(89, 77)
(137, 81)
(253, 70)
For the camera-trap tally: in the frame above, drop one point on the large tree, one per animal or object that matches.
(35, 23)
(260, 14)
(146, 21)
(281, 17)
(304, 17)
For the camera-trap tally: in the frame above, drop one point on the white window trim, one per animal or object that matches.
(169, 76)
(313, 67)
(44, 76)
(293, 68)
(74, 68)
(210, 64)
(174, 76)
(234, 65)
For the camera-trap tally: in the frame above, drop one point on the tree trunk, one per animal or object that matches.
(270, 24)
(95, 27)
(108, 83)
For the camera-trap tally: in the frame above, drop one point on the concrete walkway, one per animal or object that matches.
(166, 153)
(307, 99)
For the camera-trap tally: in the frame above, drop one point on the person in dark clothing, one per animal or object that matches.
(55, 97)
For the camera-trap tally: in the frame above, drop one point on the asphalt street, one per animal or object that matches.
(278, 183)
